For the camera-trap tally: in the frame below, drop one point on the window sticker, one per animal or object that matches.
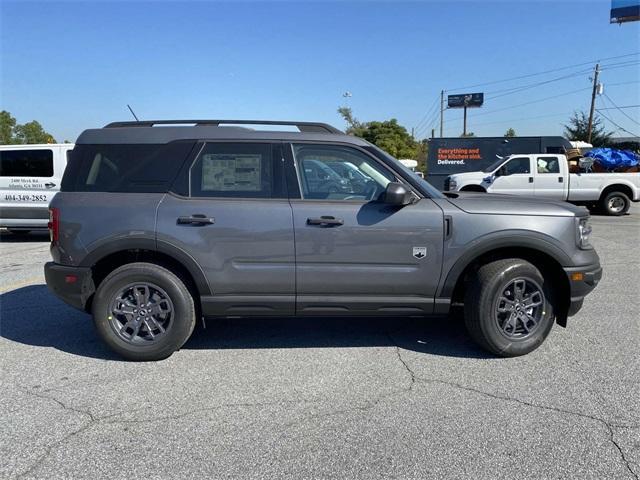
(231, 172)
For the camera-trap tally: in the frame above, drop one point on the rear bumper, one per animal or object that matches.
(582, 280)
(60, 280)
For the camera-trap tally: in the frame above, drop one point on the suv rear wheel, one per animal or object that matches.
(509, 307)
(143, 311)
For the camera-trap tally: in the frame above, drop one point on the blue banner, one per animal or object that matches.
(625, 11)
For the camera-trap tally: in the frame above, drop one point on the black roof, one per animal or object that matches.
(164, 131)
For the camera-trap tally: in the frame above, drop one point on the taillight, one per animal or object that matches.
(54, 224)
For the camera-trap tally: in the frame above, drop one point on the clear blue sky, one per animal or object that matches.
(76, 65)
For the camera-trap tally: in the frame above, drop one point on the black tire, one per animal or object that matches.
(615, 203)
(481, 304)
(181, 321)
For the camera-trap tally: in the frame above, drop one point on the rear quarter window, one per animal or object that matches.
(26, 163)
(133, 168)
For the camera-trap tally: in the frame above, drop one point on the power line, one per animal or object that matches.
(531, 102)
(618, 108)
(430, 111)
(621, 128)
(504, 80)
(621, 111)
(537, 84)
(519, 119)
(622, 83)
(622, 66)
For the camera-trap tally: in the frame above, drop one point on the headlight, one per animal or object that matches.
(583, 232)
(453, 185)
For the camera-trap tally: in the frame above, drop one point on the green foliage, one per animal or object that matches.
(14, 133)
(578, 129)
(468, 134)
(388, 135)
(7, 124)
(510, 133)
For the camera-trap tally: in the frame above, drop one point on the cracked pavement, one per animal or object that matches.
(321, 398)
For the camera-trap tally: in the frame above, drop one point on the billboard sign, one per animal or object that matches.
(465, 100)
(625, 11)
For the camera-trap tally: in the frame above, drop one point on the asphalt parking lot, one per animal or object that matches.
(366, 398)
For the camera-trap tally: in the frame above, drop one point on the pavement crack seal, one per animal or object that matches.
(609, 426)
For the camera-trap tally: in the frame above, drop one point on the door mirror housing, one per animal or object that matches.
(397, 194)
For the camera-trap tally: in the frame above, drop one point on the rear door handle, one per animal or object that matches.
(325, 221)
(49, 185)
(560, 179)
(196, 219)
(530, 179)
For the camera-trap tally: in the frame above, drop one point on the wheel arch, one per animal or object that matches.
(473, 188)
(110, 256)
(617, 187)
(546, 257)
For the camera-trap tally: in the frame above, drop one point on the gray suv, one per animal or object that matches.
(160, 223)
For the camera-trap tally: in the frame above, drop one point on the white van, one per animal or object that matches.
(30, 176)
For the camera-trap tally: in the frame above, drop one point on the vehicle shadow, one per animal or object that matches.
(31, 237)
(33, 316)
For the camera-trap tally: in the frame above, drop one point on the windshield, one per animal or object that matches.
(494, 165)
(432, 191)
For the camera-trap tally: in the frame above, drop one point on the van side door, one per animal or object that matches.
(28, 182)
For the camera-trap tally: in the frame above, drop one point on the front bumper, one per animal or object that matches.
(582, 280)
(60, 280)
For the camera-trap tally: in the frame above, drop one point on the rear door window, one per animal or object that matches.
(237, 170)
(26, 163)
(548, 165)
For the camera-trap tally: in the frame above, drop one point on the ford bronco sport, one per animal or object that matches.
(160, 223)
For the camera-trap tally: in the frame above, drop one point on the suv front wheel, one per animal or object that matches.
(143, 311)
(508, 307)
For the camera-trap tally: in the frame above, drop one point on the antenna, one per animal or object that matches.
(132, 112)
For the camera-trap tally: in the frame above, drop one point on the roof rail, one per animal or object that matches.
(307, 127)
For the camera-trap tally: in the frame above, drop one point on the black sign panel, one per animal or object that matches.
(468, 99)
(457, 155)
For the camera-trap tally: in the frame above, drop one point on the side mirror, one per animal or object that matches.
(396, 194)
(501, 172)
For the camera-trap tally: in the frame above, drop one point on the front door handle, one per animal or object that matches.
(530, 179)
(50, 185)
(560, 179)
(196, 219)
(325, 221)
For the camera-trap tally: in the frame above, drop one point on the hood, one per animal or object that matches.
(498, 204)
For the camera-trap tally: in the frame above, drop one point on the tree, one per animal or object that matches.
(7, 124)
(468, 134)
(32, 132)
(578, 129)
(388, 135)
(510, 133)
(13, 133)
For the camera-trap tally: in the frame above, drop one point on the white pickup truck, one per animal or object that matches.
(547, 176)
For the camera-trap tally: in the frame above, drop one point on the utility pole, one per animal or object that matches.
(441, 112)
(433, 133)
(464, 125)
(593, 101)
(412, 137)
